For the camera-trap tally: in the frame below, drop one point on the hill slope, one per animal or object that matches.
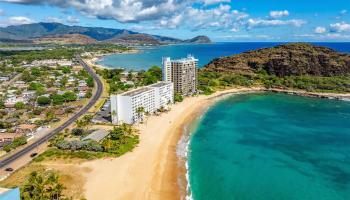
(44, 30)
(199, 39)
(66, 39)
(285, 60)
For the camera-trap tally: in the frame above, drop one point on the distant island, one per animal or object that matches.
(64, 34)
(289, 66)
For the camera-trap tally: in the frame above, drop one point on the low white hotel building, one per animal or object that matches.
(124, 107)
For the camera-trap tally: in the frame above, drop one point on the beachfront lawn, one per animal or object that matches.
(69, 145)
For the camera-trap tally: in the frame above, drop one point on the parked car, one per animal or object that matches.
(9, 169)
(33, 155)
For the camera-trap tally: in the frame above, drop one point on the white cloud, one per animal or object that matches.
(240, 15)
(279, 13)
(322, 37)
(220, 17)
(246, 37)
(211, 2)
(2, 12)
(16, 20)
(53, 19)
(121, 10)
(72, 20)
(258, 23)
(340, 27)
(320, 30)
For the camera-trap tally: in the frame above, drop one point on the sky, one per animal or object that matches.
(221, 20)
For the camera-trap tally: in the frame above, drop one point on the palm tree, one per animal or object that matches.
(42, 187)
(140, 111)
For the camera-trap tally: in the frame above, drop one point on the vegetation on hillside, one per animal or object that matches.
(290, 66)
(211, 81)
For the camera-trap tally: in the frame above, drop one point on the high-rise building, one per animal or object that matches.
(130, 107)
(182, 72)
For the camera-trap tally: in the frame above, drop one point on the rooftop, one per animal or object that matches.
(159, 84)
(97, 135)
(189, 58)
(136, 91)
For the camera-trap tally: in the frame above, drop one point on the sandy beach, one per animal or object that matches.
(151, 171)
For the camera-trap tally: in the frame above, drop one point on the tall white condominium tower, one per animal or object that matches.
(182, 72)
(130, 107)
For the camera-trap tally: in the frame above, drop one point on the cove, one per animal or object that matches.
(271, 146)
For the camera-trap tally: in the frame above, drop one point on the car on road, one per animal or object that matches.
(33, 155)
(9, 169)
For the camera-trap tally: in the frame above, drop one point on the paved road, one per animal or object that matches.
(8, 160)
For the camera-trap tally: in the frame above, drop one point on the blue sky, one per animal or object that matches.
(221, 20)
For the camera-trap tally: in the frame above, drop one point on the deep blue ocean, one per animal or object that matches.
(268, 146)
(150, 56)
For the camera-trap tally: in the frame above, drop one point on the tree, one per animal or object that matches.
(18, 141)
(116, 133)
(77, 131)
(69, 96)
(2, 105)
(178, 97)
(43, 100)
(64, 81)
(65, 70)
(90, 81)
(19, 105)
(42, 187)
(140, 111)
(50, 115)
(35, 72)
(88, 94)
(156, 72)
(39, 88)
(57, 99)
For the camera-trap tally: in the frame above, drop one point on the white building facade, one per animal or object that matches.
(182, 72)
(130, 107)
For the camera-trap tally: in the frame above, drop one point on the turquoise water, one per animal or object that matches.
(204, 52)
(272, 147)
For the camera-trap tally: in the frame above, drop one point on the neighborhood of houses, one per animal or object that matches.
(44, 92)
(37, 94)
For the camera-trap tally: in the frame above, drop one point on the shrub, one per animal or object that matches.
(19, 141)
(178, 97)
(19, 105)
(77, 131)
(79, 145)
(43, 100)
(69, 96)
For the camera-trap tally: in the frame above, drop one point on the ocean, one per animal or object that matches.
(150, 56)
(267, 146)
(261, 146)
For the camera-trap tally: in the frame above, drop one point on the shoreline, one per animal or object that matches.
(151, 170)
(154, 170)
(98, 57)
(180, 168)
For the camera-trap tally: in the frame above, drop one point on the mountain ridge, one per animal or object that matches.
(100, 34)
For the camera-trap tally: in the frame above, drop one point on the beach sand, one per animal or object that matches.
(151, 170)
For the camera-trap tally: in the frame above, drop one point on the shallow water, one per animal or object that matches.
(272, 146)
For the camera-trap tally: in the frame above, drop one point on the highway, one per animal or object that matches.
(10, 159)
